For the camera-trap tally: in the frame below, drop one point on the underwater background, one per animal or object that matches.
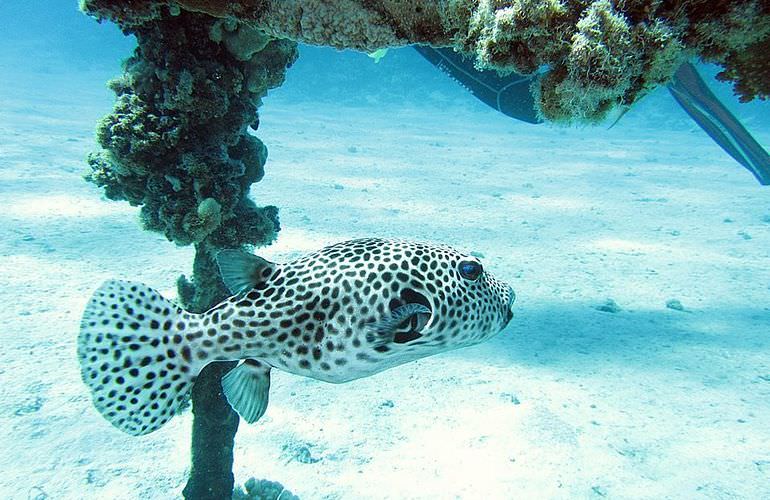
(638, 361)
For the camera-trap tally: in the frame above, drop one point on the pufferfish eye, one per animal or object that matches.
(470, 270)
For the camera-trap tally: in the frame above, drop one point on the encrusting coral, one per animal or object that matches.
(176, 142)
(263, 489)
(595, 55)
(590, 55)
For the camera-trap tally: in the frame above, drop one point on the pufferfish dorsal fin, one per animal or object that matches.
(242, 270)
(412, 317)
(247, 387)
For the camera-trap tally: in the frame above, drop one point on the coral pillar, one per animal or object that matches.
(213, 435)
(214, 421)
(178, 144)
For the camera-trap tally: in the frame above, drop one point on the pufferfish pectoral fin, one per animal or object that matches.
(247, 388)
(242, 270)
(412, 317)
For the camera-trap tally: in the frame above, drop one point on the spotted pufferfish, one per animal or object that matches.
(348, 311)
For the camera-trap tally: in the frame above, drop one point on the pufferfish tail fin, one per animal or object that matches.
(134, 356)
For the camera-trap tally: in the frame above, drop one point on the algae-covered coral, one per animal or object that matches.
(177, 141)
(263, 489)
(593, 55)
(598, 54)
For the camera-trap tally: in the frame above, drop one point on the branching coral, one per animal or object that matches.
(739, 41)
(749, 69)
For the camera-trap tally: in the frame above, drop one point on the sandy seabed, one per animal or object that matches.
(571, 401)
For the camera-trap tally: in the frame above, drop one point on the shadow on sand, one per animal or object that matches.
(579, 338)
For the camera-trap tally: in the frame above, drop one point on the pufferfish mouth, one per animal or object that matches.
(412, 327)
(509, 306)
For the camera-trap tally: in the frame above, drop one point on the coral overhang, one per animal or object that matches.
(592, 55)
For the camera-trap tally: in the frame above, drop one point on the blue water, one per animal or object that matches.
(637, 362)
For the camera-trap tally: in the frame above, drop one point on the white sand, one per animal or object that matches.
(568, 402)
